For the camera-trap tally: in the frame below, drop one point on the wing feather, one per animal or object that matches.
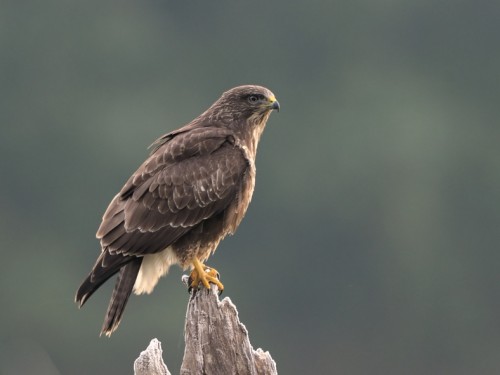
(190, 177)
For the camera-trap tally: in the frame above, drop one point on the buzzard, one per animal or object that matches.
(191, 192)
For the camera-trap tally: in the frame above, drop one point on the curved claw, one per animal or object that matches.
(202, 274)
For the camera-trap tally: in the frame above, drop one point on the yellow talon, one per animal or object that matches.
(204, 275)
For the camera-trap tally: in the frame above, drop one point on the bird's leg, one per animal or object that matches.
(202, 274)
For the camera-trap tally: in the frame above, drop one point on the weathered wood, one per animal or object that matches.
(217, 342)
(150, 362)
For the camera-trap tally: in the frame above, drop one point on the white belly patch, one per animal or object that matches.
(153, 267)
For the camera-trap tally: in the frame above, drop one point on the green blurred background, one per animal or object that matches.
(372, 242)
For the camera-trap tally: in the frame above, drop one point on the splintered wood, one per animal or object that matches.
(217, 342)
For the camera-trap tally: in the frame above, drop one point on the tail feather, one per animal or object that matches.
(123, 288)
(106, 266)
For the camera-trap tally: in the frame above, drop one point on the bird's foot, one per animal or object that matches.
(202, 274)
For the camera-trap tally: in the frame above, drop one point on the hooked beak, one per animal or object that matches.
(275, 105)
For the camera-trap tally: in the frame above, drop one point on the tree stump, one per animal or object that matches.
(217, 342)
(150, 362)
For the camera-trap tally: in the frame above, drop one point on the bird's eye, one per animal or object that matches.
(253, 98)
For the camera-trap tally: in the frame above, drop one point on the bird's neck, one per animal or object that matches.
(253, 131)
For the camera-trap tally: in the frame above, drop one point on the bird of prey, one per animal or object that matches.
(192, 191)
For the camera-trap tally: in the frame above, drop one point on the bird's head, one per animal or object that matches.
(250, 102)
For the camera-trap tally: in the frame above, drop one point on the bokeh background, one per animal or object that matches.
(372, 242)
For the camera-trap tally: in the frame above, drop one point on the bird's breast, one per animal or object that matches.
(238, 208)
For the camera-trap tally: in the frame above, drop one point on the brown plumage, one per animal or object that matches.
(191, 192)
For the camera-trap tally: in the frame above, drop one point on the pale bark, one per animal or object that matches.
(217, 342)
(150, 362)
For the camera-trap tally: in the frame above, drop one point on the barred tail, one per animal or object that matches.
(123, 287)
